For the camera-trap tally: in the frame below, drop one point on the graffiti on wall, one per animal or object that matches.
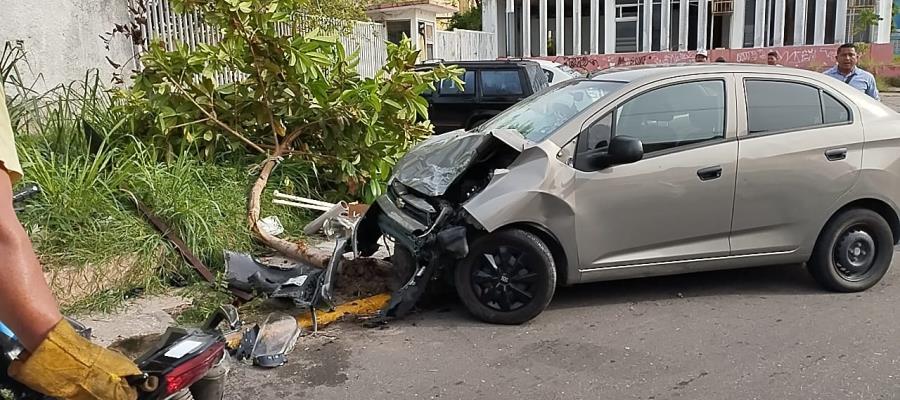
(809, 57)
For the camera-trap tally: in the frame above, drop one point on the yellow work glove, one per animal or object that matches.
(68, 366)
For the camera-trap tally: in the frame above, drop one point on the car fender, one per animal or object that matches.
(532, 191)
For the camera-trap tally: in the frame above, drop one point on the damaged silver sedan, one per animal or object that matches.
(647, 171)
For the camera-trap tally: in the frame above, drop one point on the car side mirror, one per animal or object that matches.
(621, 150)
(625, 150)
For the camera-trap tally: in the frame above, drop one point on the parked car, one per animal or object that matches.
(490, 87)
(651, 171)
(557, 72)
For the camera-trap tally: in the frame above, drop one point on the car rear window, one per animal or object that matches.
(537, 77)
(774, 106)
(447, 87)
(501, 82)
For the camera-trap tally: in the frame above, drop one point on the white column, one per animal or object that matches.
(664, 16)
(576, 27)
(542, 23)
(595, 26)
(736, 38)
(510, 23)
(799, 22)
(560, 27)
(779, 23)
(702, 24)
(883, 33)
(414, 33)
(683, 11)
(526, 28)
(819, 29)
(840, 22)
(488, 23)
(609, 26)
(759, 25)
(648, 26)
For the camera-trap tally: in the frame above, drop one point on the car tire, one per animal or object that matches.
(497, 287)
(853, 252)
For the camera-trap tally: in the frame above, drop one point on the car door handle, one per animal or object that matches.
(836, 154)
(710, 173)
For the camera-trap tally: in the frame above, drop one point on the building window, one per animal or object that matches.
(830, 18)
(657, 25)
(674, 25)
(810, 21)
(396, 30)
(749, 22)
(627, 26)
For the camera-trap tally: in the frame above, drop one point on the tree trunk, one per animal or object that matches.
(295, 250)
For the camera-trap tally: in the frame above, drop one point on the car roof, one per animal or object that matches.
(479, 64)
(634, 73)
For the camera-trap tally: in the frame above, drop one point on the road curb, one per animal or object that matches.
(365, 306)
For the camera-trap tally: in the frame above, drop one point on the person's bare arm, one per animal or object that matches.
(26, 304)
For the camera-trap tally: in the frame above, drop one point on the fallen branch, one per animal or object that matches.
(297, 251)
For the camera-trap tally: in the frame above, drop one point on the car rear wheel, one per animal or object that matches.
(508, 277)
(854, 251)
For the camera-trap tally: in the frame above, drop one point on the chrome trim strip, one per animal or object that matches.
(674, 262)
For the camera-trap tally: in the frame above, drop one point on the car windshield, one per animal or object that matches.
(539, 116)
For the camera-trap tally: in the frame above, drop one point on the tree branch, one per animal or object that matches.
(212, 118)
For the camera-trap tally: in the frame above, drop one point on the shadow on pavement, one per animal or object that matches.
(772, 280)
(759, 281)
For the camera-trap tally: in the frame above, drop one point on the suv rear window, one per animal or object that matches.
(447, 87)
(538, 78)
(501, 82)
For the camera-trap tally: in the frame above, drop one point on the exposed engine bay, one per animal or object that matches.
(422, 211)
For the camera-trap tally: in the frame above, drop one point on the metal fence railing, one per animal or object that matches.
(368, 38)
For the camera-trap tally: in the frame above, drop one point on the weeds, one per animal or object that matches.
(93, 244)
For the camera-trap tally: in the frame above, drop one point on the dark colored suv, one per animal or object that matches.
(490, 87)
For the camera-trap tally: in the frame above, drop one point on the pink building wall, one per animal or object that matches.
(809, 57)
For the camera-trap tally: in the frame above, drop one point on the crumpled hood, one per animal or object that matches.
(433, 165)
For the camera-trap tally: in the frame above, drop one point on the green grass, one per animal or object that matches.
(82, 155)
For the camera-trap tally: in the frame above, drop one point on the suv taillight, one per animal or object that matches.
(191, 371)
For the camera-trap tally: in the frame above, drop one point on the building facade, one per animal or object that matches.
(534, 28)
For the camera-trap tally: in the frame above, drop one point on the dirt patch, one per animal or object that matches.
(363, 277)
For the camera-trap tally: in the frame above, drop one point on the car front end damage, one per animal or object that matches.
(422, 212)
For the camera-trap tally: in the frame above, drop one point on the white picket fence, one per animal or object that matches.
(464, 45)
(368, 38)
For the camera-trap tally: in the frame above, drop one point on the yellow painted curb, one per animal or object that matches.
(366, 306)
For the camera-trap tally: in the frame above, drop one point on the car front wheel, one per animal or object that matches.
(854, 251)
(508, 277)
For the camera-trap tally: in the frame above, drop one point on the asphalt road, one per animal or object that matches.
(759, 333)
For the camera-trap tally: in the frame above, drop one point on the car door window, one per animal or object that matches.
(501, 83)
(598, 134)
(448, 88)
(835, 111)
(774, 106)
(676, 115)
(662, 119)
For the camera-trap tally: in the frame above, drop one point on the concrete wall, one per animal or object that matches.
(61, 37)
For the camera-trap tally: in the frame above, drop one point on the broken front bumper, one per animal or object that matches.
(431, 247)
